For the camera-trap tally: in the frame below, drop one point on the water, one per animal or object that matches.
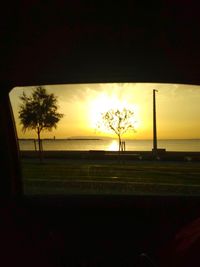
(112, 145)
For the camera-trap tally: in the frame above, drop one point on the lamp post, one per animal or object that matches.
(154, 122)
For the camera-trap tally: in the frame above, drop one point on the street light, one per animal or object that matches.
(154, 122)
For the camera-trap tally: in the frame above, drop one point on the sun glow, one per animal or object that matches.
(114, 146)
(104, 102)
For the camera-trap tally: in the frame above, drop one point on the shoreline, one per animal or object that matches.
(114, 155)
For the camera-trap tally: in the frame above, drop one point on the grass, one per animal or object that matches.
(60, 176)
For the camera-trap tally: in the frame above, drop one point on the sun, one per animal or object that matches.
(104, 102)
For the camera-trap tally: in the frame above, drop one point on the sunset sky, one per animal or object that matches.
(178, 109)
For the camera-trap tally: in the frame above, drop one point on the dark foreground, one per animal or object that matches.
(130, 176)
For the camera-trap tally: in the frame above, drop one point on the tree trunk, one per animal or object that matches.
(119, 138)
(39, 145)
(35, 145)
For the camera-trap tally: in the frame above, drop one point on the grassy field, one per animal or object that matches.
(61, 176)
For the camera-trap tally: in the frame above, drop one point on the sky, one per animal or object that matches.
(177, 106)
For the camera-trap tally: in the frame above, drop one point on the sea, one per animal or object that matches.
(192, 145)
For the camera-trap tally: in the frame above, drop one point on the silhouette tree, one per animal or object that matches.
(39, 112)
(119, 121)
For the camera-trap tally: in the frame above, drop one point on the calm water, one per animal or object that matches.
(112, 145)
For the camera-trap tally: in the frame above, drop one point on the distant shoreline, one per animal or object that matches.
(60, 139)
(88, 139)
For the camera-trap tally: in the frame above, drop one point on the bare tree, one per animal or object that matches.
(119, 121)
(39, 112)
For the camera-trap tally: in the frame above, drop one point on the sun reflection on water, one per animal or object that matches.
(113, 146)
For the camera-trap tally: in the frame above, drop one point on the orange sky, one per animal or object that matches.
(178, 109)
